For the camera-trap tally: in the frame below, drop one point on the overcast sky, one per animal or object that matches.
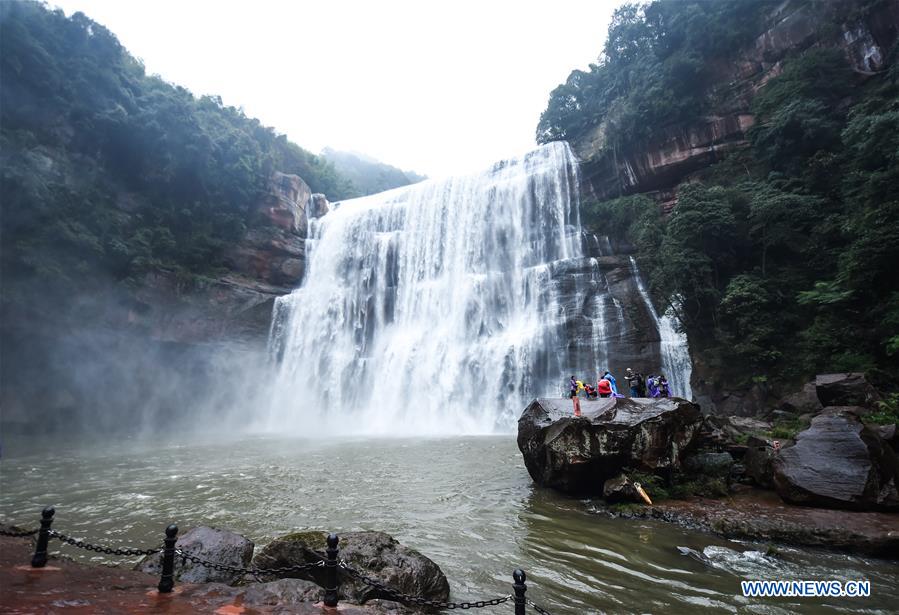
(434, 87)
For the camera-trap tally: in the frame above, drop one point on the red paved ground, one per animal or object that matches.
(68, 587)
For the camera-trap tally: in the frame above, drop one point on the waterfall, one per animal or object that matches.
(676, 363)
(445, 306)
(431, 308)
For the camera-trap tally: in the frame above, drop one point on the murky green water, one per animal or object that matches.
(467, 503)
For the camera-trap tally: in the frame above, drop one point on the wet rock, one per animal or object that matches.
(737, 427)
(375, 554)
(761, 516)
(709, 464)
(318, 205)
(210, 544)
(838, 463)
(849, 389)
(577, 455)
(758, 461)
(889, 434)
(620, 489)
(804, 401)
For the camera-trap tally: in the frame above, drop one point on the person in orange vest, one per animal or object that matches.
(604, 387)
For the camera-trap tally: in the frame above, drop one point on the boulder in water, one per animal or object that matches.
(210, 544)
(838, 463)
(848, 389)
(578, 454)
(374, 554)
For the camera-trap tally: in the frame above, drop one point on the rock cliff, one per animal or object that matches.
(682, 149)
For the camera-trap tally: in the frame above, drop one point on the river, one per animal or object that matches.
(465, 502)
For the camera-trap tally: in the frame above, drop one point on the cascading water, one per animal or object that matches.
(676, 363)
(445, 306)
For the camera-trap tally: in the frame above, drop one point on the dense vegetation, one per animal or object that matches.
(782, 259)
(108, 172)
(368, 175)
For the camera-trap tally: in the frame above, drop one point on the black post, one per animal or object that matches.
(43, 537)
(167, 581)
(332, 552)
(519, 587)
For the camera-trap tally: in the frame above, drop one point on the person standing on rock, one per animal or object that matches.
(633, 381)
(604, 388)
(664, 391)
(572, 384)
(652, 386)
(608, 376)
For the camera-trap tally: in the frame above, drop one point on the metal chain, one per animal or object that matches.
(18, 534)
(256, 572)
(540, 610)
(107, 550)
(398, 596)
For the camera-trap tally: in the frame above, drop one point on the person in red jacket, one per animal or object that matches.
(604, 387)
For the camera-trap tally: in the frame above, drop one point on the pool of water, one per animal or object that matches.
(465, 502)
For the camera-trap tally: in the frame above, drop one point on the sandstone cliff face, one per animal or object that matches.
(235, 307)
(683, 149)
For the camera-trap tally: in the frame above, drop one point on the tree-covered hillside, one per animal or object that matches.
(108, 172)
(368, 175)
(782, 258)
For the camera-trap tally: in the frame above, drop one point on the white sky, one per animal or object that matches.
(435, 87)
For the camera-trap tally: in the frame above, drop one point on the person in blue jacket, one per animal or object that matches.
(608, 376)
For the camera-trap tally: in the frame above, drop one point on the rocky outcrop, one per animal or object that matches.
(578, 454)
(604, 282)
(757, 515)
(848, 389)
(759, 462)
(318, 205)
(212, 545)
(709, 464)
(274, 251)
(268, 262)
(838, 463)
(803, 401)
(375, 554)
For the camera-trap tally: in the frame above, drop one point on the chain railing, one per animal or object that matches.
(330, 563)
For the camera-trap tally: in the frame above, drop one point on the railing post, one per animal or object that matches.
(39, 560)
(167, 580)
(519, 587)
(332, 553)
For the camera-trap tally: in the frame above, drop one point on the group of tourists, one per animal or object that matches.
(607, 386)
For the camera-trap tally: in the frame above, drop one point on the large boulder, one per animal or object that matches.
(849, 389)
(709, 464)
(375, 554)
(739, 427)
(212, 545)
(758, 462)
(838, 463)
(578, 454)
(803, 401)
